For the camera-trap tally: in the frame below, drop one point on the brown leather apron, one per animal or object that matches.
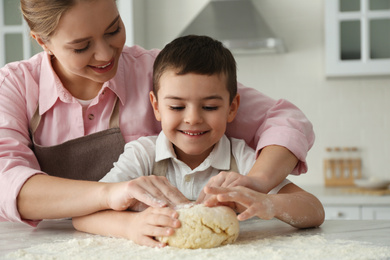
(85, 158)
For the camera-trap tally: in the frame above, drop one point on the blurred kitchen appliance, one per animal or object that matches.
(238, 25)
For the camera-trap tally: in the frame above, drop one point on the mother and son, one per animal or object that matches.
(67, 113)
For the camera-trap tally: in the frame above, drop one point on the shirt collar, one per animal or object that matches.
(164, 148)
(51, 88)
(221, 155)
(219, 158)
(48, 94)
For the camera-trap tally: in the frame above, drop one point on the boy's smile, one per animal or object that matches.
(194, 110)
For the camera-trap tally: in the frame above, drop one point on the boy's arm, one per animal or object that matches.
(140, 227)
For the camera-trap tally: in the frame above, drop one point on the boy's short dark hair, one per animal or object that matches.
(196, 54)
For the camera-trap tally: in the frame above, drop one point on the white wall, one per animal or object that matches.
(344, 112)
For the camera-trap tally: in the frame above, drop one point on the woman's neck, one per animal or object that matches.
(80, 87)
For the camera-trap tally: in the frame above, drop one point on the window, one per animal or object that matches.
(15, 41)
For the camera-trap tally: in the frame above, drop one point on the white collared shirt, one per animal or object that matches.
(140, 155)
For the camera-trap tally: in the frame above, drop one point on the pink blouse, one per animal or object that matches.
(261, 121)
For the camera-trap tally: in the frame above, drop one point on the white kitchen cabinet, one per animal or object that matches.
(341, 204)
(357, 37)
(125, 8)
(342, 212)
(375, 212)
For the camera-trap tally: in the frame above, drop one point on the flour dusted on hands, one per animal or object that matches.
(204, 227)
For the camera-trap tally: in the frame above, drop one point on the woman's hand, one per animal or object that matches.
(247, 202)
(223, 179)
(138, 194)
(291, 204)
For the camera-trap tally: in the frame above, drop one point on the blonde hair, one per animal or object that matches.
(43, 16)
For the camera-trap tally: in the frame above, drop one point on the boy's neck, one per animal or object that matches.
(190, 160)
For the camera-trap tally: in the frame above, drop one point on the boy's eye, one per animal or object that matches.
(177, 108)
(210, 108)
(82, 50)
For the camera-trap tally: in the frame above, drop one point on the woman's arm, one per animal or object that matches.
(270, 169)
(278, 131)
(272, 166)
(140, 227)
(291, 205)
(48, 197)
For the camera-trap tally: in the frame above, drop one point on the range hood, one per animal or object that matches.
(238, 25)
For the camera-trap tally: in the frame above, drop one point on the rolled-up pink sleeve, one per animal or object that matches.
(262, 121)
(17, 161)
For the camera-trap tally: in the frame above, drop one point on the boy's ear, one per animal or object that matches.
(233, 108)
(154, 102)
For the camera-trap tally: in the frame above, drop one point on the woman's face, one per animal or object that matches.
(87, 43)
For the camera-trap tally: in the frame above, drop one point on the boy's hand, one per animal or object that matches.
(153, 222)
(223, 179)
(247, 201)
(137, 194)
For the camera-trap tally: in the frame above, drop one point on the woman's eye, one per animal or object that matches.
(116, 31)
(82, 50)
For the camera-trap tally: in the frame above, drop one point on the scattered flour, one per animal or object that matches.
(290, 247)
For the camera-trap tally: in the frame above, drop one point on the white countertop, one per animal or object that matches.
(335, 239)
(342, 196)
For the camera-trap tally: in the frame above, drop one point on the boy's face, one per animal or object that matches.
(194, 110)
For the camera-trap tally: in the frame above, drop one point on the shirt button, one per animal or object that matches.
(187, 178)
(91, 116)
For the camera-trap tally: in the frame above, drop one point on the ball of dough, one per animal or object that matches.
(204, 227)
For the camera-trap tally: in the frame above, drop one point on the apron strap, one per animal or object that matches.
(233, 164)
(160, 168)
(114, 119)
(35, 120)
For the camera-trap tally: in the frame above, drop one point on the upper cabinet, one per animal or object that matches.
(357, 34)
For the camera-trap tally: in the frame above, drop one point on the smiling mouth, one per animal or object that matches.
(192, 133)
(104, 66)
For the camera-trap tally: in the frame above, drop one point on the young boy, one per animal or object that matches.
(194, 97)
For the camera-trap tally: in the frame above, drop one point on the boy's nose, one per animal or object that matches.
(193, 117)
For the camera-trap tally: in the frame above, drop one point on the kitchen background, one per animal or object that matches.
(348, 111)
(345, 111)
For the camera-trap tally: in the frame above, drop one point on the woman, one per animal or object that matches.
(66, 114)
